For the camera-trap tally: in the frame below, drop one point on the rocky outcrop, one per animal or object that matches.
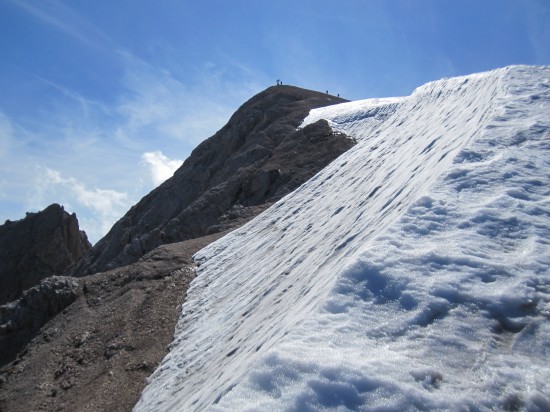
(255, 159)
(21, 319)
(42, 244)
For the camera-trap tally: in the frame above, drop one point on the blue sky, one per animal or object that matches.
(100, 100)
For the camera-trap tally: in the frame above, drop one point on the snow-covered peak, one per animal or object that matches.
(411, 273)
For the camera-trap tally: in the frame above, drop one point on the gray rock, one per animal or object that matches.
(21, 319)
(42, 244)
(96, 353)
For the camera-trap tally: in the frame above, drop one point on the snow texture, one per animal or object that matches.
(412, 273)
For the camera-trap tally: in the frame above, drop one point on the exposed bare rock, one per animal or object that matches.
(255, 159)
(42, 244)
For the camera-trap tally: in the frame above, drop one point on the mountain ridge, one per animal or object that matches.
(409, 271)
(119, 321)
(243, 165)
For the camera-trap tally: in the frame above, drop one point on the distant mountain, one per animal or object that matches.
(255, 159)
(42, 244)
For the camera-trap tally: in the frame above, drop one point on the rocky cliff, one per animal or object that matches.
(40, 245)
(255, 159)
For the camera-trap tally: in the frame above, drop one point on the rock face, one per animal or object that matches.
(255, 159)
(41, 245)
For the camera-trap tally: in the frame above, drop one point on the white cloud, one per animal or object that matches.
(80, 147)
(97, 208)
(160, 167)
(102, 201)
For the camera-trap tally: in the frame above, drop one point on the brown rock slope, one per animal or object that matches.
(96, 354)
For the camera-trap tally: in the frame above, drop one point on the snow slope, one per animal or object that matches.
(411, 273)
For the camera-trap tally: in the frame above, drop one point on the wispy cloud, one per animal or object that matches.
(98, 154)
(6, 134)
(104, 206)
(160, 167)
(99, 158)
(158, 104)
(63, 18)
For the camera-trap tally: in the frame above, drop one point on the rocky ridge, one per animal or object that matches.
(255, 159)
(21, 319)
(96, 354)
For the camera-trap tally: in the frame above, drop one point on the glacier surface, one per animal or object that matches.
(412, 273)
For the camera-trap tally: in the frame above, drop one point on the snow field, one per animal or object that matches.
(411, 273)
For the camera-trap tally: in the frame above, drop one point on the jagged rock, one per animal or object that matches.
(21, 319)
(255, 159)
(42, 244)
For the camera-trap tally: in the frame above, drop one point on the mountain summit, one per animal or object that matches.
(255, 159)
(410, 270)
